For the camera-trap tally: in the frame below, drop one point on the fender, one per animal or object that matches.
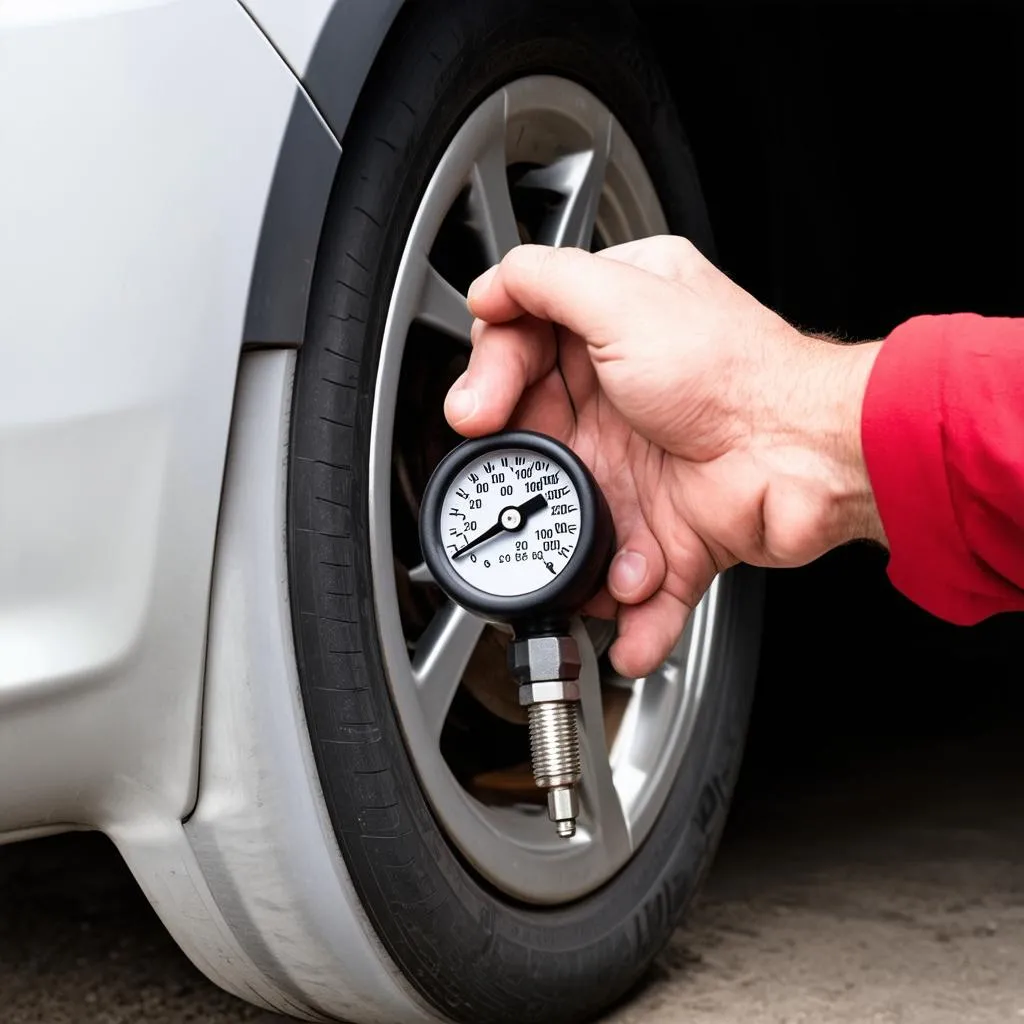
(339, 62)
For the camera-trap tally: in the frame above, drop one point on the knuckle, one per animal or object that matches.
(527, 259)
(536, 264)
(684, 255)
(665, 247)
(667, 256)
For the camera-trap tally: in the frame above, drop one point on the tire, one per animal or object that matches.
(474, 952)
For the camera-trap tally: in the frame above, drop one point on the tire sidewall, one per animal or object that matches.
(465, 946)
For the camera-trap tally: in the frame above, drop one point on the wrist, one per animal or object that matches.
(839, 382)
(805, 429)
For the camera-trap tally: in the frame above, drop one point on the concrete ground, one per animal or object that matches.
(872, 871)
(890, 892)
(893, 894)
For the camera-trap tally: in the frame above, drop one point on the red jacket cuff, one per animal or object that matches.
(902, 435)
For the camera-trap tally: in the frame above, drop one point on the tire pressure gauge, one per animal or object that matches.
(515, 529)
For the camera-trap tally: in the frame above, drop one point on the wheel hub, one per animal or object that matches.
(541, 159)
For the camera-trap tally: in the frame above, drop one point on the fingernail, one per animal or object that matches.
(461, 404)
(628, 571)
(620, 664)
(480, 285)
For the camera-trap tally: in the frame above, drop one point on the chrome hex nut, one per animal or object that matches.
(541, 659)
(550, 689)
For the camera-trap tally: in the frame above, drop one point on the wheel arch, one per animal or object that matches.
(336, 68)
(342, 56)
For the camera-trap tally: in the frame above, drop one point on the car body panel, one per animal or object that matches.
(133, 186)
(293, 26)
(345, 50)
(331, 46)
(161, 200)
(282, 276)
(260, 830)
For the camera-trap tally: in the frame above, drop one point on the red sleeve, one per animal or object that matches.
(943, 434)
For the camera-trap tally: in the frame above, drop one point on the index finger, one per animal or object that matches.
(506, 360)
(566, 286)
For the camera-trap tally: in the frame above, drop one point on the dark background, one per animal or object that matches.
(862, 165)
(861, 161)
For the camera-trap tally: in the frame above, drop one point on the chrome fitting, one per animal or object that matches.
(548, 669)
(563, 807)
(552, 689)
(539, 659)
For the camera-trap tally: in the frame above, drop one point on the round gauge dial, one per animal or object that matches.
(512, 521)
(514, 528)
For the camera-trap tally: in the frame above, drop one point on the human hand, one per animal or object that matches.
(718, 433)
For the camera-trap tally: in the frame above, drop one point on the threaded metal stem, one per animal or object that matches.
(554, 743)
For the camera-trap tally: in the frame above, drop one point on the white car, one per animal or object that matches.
(235, 239)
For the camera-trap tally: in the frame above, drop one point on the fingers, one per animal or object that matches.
(638, 568)
(671, 257)
(637, 572)
(649, 629)
(647, 634)
(546, 408)
(569, 287)
(506, 360)
(650, 619)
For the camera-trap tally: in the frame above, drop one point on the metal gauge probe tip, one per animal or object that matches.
(515, 529)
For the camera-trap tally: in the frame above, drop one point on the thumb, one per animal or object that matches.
(596, 298)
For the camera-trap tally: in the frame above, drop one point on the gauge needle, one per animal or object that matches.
(511, 518)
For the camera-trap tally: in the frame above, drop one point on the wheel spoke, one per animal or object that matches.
(442, 654)
(576, 224)
(421, 574)
(443, 306)
(489, 198)
(598, 794)
(579, 177)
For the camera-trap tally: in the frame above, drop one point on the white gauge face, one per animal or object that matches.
(510, 522)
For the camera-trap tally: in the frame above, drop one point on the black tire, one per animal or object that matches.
(475, 955)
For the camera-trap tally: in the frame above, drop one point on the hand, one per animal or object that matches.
(718, 432)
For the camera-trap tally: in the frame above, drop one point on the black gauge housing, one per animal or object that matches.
(550, 607)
